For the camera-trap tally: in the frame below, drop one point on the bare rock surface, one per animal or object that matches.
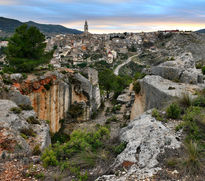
(11, 125)
(146, 138)
(158, 91)
(182, 69)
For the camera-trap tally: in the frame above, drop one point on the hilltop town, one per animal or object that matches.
(104, 107)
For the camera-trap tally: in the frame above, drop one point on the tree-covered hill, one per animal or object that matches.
(9, 25)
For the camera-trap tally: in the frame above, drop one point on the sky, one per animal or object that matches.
(107, 16)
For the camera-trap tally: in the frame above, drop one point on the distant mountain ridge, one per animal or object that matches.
(201, 31)
(9, 25)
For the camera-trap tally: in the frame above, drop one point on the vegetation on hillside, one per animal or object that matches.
(83, 150)
(109, 82)
(26, 50)
(191, 111)
(9, 25)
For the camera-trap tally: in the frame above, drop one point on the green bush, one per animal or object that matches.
(137, 87)
(199, 101)
(156, 114)
(16, 110)
(48, 86)
(138, 75)
(28, 132)
(192, 163)
(59, 137)
(119, 148)
(172, 163)
(116, 108)
(112, 119)
(39, 176)
(185, 101)
(36, 150)
(180, 126)
(173, 111)
(203, 70)
(33, 120)
(26, 107)
(80, 141)
(49, 158)
(199, 66)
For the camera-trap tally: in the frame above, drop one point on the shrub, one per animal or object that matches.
(185, 101)
(119, 148)
(26, 107)
(28, 132)
(192, 164)
(7, 81)
(24, 75)
(137, 87)
(138, 75)
(48, 86)
(80, 141)
(173, 111)
(33, 120)
(112, 119)
(49, 158)
(116, 108)
(203, 70)
(199, 65)
(24, 136)
(16, 110)
(191, 114)
(172, 163)
(199, 101)
(156, 114)
(180, 126)
(39, 176)
(59, 137)
(36, 150)
(76, 110)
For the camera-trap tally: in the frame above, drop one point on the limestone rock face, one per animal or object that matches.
(52, 94)
(181, 70)
(157, 91)
(11, 126)
(146, 138)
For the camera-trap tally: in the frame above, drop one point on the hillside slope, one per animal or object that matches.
(9, 25)
(201, 31)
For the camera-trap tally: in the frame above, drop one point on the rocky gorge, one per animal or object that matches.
(60, 102)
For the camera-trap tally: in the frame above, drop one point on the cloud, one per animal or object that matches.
(119, 15)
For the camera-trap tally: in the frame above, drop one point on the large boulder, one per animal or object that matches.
(12, 121)
(146, 139)
(180, 70)
(157, 91)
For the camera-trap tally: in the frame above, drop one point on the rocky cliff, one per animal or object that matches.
(52, 94)
(21, 131)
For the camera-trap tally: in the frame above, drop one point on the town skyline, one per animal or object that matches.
(110, 16)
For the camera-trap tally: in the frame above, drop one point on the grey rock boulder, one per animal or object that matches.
(146, 138)
(12, 123)
(181, 70)
(157, 91)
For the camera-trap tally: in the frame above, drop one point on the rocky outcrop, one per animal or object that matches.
(180, 70)
(146, 138)
(52, 94)
(14, 124)
(157, 91)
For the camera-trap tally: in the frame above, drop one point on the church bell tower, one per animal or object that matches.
(86, 27)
